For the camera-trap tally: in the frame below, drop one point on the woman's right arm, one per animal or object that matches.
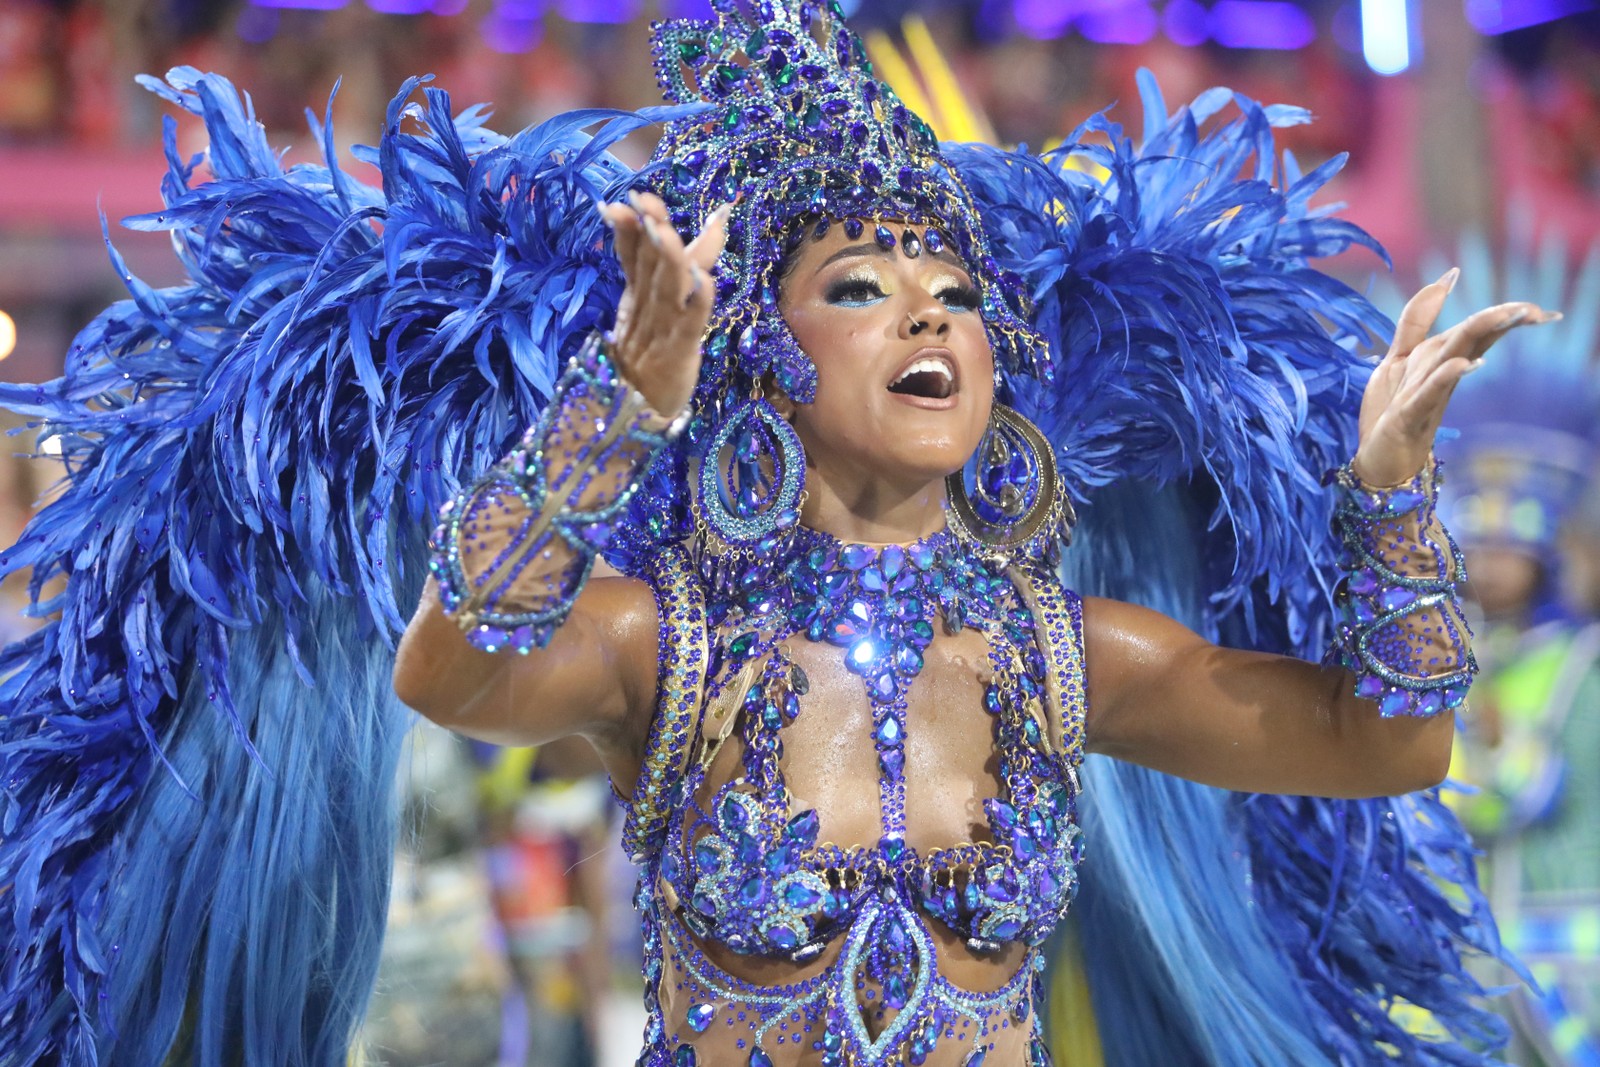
(512, 553)
(596, 677)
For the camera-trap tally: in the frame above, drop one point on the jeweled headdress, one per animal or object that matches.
(801, 136)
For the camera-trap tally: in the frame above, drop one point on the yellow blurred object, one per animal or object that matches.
(926, 84)
(505, 781)
(1074, 1033)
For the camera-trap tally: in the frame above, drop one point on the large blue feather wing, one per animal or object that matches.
(1207, 375)
(198, 748)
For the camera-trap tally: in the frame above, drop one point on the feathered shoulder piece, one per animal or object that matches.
(198, 747)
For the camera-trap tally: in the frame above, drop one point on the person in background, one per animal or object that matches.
(1530, 743)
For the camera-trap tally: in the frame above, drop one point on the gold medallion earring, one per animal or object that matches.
(1009, 498)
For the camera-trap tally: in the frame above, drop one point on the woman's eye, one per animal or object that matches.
(961, 297)
(854, 291)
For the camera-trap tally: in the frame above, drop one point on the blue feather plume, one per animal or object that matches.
(198, 749)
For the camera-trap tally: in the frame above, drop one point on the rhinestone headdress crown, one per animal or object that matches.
(801, 136)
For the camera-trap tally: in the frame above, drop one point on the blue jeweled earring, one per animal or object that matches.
(752, 477)
(1009, 493)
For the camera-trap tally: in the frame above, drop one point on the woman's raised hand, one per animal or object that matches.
(1405, 401)
(667, 301)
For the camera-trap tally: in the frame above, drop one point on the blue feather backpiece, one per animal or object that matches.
(197, 750)
(1207, 377)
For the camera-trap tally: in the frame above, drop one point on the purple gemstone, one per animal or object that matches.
(853, 228)
(1395, 599)
(933, 240)
(893, 763)
(884, 236)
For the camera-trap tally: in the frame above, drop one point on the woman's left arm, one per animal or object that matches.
(1162, 696)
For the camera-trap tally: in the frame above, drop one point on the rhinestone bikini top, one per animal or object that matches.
(743, 869)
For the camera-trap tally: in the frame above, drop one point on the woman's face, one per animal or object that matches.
(904, 370)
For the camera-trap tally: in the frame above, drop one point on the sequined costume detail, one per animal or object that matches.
(513, 551)
(735, 865)
(1401, 628)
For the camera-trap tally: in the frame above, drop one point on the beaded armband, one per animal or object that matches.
(1401, 629)
(513, 551)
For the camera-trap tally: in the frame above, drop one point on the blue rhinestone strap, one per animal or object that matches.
(512, 552)
(683, 656)
(1401, 628)
(1059, 615)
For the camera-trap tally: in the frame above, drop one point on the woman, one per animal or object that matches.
(891, 747)
(840, 684)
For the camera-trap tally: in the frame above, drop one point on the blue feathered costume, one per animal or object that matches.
(197, 750)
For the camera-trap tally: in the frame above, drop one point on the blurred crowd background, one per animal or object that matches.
(512, 933)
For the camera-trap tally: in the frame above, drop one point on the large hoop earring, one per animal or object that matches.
(1009, 495)
(756, 491)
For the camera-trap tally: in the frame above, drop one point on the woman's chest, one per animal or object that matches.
(831, 755)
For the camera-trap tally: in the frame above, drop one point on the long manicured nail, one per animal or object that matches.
(1552, 316)
(1472, 365)
(1449, 279)
(634, 200)
(650, 230)
(720, 215)
(1516, 320)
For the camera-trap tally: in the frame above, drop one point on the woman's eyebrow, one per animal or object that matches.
(872, 248)
(866, 248)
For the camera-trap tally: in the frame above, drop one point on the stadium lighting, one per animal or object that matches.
(1386, 35)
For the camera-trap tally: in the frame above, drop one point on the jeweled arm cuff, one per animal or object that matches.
(1401, 628)
(512, 552)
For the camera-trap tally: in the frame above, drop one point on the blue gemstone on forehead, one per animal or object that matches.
(910, 245)
(823, 225)
(934, 240)
(883, 236)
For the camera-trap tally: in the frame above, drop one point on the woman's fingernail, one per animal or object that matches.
(1516, 320)
(721, 214)
(634, 200)
(1450, 278)
(650, 231)
(1472, 365)
(1552, 316)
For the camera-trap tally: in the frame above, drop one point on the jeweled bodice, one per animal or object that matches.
(732, 860)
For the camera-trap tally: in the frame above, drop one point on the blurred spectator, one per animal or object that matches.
(1530, 743)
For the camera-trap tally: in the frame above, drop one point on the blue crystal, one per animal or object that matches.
(854, 557)
(933, 240)
(801, 896)
(893, 763)
(884, 236)
(684, 1056)
(853, 228)
(1395, 702)
(699, 1017)
(759, 1058)
(803, 827)
(889, 732)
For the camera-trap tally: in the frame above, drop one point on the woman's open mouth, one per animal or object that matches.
(930, 377)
